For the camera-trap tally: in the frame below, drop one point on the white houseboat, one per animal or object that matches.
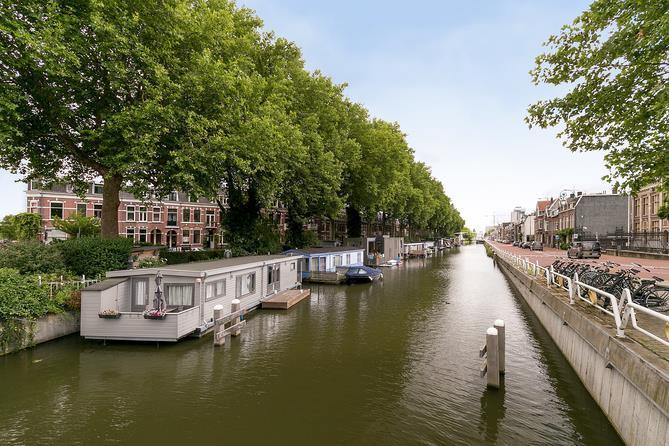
(323, 264)
(174, 301)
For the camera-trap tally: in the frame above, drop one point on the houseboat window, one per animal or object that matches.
(321, 264)
(348, 259)
(359, 258)
(57, 210)
(246, 284)
(179, 294)
(215, 289)
(140, 294)
(97, 210)
(337, 260)
(292, 266)
(314, 263)
(81, 208)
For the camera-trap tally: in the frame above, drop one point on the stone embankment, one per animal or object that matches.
(627, 377)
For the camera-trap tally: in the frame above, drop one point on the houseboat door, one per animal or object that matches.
(273, 279)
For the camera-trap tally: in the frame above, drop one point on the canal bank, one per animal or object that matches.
(629, 382)
(393, 363)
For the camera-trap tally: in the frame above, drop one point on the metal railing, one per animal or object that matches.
(623, 310)
(76, 284)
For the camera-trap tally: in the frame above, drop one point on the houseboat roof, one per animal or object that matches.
(324, 250)
(206, 267)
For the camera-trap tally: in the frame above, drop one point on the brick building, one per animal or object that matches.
(643, 210)
(178, 221)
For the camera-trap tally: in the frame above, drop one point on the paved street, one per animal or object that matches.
(659, 268)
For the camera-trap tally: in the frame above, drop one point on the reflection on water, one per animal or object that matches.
(393, 363)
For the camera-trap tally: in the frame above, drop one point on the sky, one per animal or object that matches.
(454, 75)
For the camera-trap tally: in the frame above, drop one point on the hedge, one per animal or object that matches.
(176, 257)
(32, 257)
(93, 256)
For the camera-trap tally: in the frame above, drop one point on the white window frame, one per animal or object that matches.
(215, 289)
(250, 279)
(85, 205)
(62, 209)
(154, 213)
(130, 213)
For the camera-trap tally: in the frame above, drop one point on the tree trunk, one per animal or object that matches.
(353, 222)
(110, 204)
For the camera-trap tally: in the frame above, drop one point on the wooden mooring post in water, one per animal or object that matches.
(494, 352)
(234, 319)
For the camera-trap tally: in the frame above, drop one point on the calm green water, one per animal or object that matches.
(394, 363)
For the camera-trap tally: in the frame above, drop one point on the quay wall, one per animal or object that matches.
(44, 329)
(632, 389)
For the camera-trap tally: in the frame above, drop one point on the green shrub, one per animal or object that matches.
(176, 257)
(68, 298)
(31, 256)
(151, 262)
(21, 296)
(93, 257)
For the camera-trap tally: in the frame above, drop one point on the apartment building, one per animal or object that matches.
(177, 221)
(540, 221)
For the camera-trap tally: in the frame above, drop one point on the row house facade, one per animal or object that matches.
(541, 222)
(559, 215)
(177, 221)
(643, 210)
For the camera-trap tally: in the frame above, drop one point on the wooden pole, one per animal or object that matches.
(236, 306)
(501, 344)
(218, 328)
(492, 360)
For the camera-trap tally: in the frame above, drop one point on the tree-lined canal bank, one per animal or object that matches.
(391, 363)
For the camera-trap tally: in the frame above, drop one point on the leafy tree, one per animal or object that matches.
(135, 92)
(24, 226)
(77, 225)
(614, 61)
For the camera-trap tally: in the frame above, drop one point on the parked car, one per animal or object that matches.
(582, 250)
(536, 246)
(525, 245)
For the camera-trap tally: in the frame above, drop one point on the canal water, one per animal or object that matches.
(393, 363)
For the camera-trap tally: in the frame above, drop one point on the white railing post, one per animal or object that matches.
(570, 290)
(550, 276)
(620, 332)
(492, 361)
(219, 339)
(236, 306)
(578, 287)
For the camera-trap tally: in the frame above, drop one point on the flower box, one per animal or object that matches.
(109, 315)
(155, 315)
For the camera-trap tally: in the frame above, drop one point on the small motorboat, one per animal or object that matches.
(362, 274)
(391, 263)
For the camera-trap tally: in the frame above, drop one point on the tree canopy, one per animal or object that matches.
(158, 95)
(614, 61)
